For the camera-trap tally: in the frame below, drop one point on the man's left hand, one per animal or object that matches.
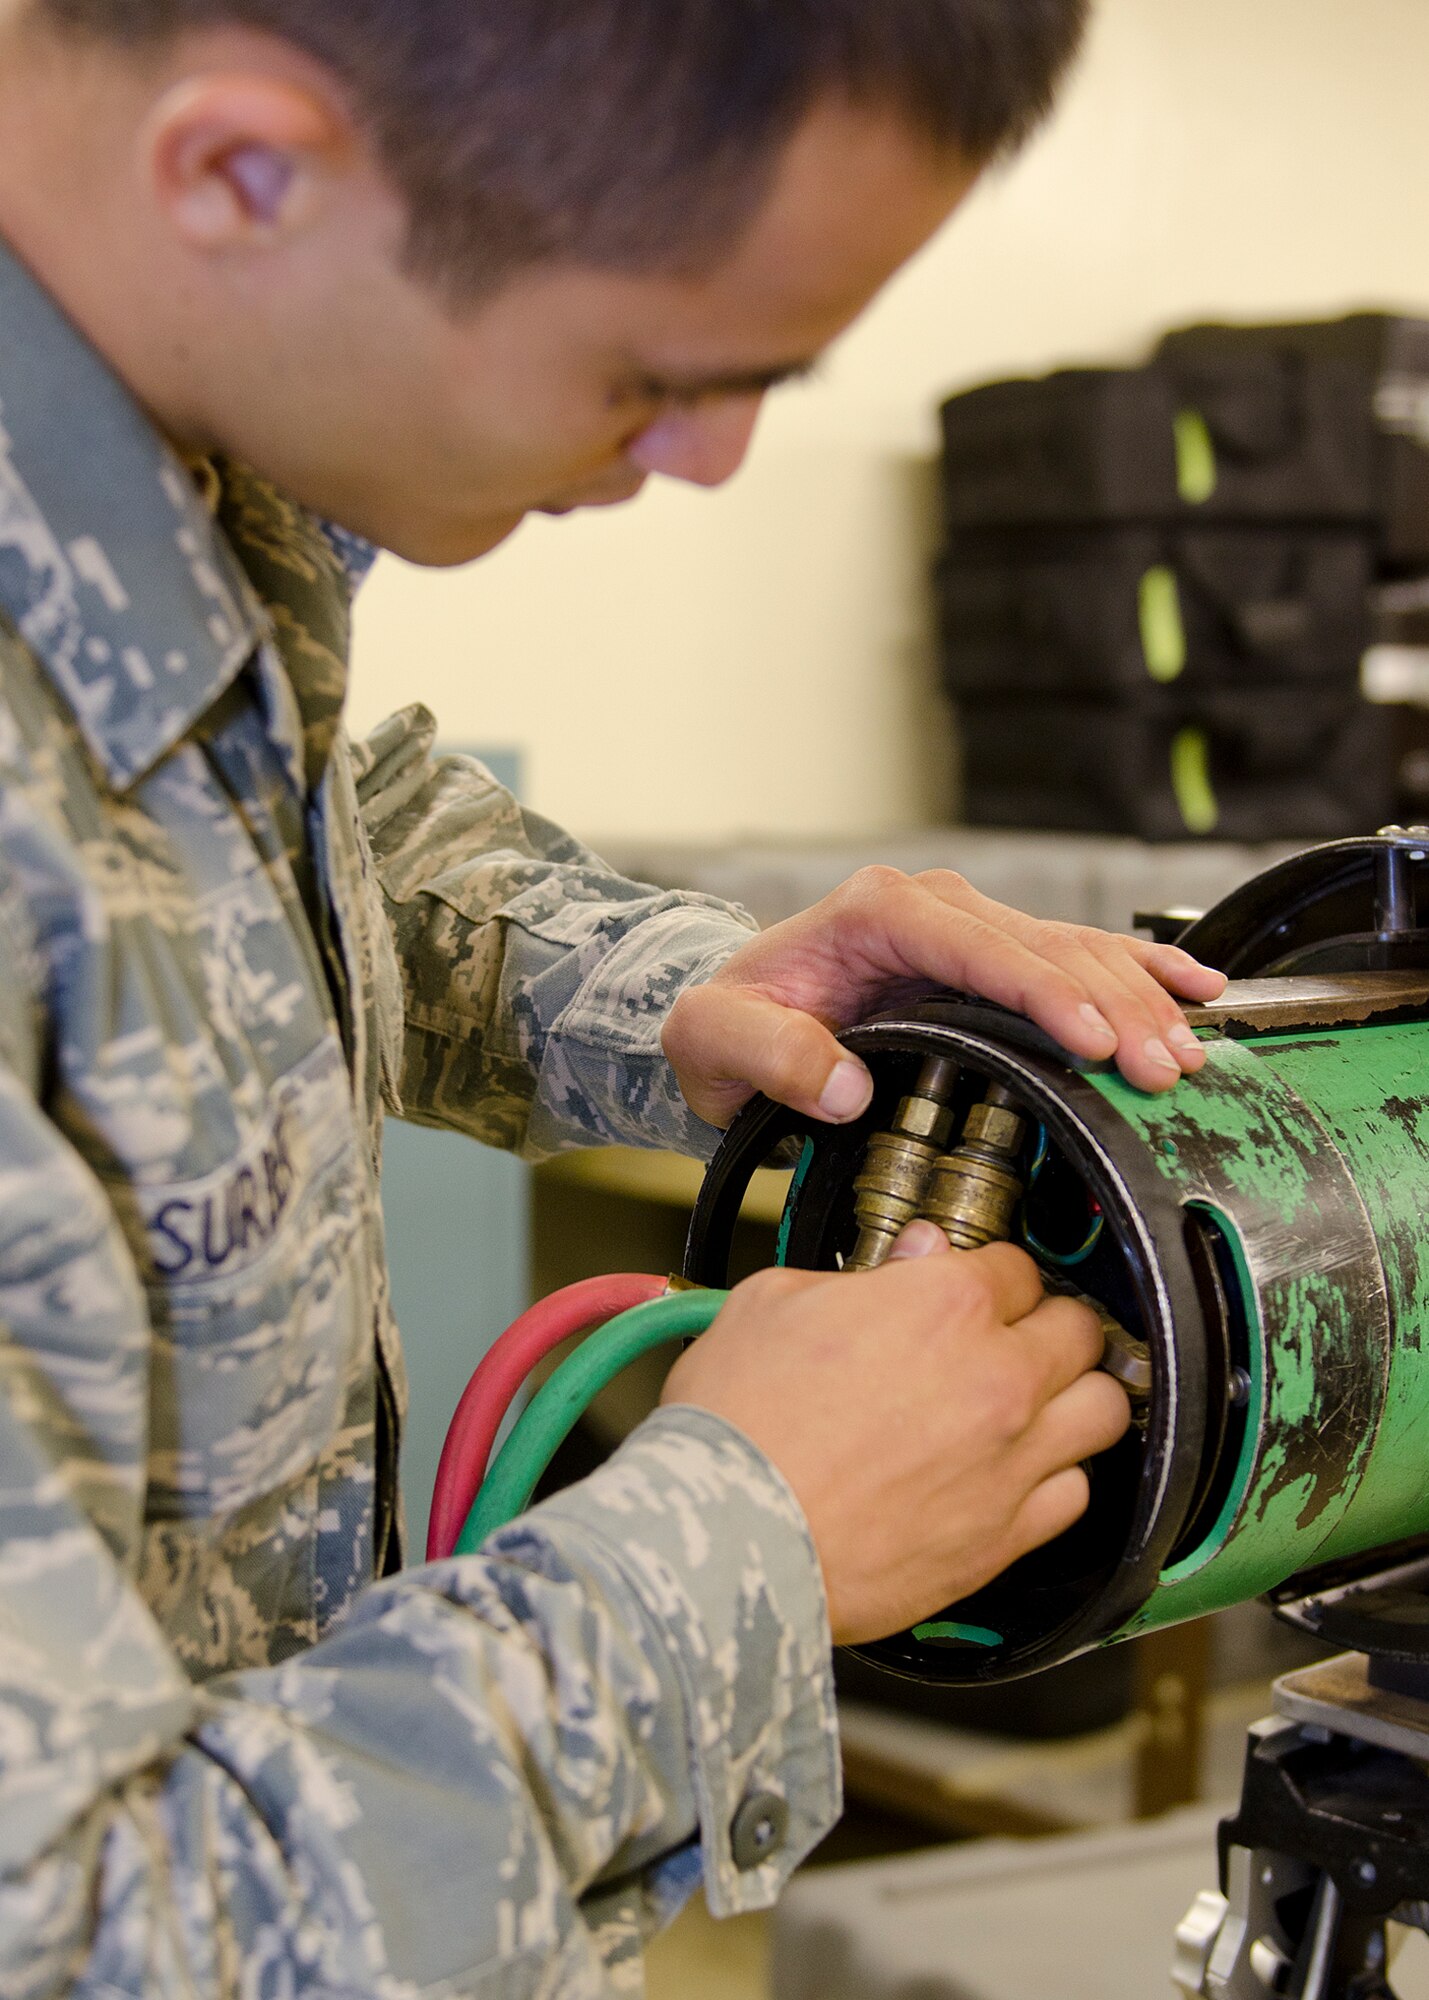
(767, 1020)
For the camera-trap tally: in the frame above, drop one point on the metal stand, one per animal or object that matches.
(1331, 1841)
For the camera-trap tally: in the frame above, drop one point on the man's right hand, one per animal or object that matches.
(931, 1417)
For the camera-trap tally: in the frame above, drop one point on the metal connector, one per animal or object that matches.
(973, 1193)
(888, 1193)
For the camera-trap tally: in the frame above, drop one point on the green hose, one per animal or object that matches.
(554, 1412)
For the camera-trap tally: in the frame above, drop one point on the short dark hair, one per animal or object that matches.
(633, 134)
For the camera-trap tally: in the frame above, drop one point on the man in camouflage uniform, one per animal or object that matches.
(240, 1752)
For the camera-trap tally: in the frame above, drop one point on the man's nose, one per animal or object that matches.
(704, 445)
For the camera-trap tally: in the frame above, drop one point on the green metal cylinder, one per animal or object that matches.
(1261, 1232)
(1312, 1151)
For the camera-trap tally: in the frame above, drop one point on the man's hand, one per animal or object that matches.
(767, 1019)
(931, 1417)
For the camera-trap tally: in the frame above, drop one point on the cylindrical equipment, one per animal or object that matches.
(1260, 1234)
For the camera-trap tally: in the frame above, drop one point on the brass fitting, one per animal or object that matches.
(1126, 1359)
(888, 1193)
(971, 1193)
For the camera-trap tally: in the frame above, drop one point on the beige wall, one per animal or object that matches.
(758, 660)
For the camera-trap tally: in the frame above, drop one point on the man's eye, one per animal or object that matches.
(657, 396)
(642, 398)
(668, 396)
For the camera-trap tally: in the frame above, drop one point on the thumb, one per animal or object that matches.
(726, 1042)
(919, 1239)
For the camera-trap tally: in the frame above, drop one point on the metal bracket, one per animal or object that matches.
(1331, 1842)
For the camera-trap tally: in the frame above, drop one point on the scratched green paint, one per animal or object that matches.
(1269, 1143)
(1282, 1112)
(1372, 1102)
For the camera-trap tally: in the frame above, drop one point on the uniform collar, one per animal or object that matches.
(111, 568)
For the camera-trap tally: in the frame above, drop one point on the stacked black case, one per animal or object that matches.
(1384, 358)
(1157, 585)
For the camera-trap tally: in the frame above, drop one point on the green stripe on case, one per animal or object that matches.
(1163, 632)
(1195, 458)
(1191, 780)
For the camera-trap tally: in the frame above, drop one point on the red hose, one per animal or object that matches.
(494, 1386)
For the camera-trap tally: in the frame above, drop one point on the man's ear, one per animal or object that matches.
(244, 161)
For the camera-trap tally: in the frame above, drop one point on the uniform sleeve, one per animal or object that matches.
(495, 1777)
(536, 979)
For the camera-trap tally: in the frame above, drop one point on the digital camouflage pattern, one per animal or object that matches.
(230, 1761)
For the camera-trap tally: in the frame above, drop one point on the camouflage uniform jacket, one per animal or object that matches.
(238, 1754)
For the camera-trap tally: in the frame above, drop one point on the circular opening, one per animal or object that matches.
(1063, 1214)
(1102, 1221)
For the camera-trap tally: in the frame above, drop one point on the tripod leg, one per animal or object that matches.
(1345, 1958)
(1321, 1939)
(1363, 1972)
(1281, 1934)
(1328, 1844)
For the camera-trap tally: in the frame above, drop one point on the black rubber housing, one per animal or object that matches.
(1346, 906)
(1078, 1591)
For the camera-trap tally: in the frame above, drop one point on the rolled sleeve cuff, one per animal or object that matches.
(708, 1536)
(604, 1077)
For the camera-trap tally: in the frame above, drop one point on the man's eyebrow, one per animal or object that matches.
(724, 382)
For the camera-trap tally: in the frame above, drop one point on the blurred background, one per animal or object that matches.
(657, 665)
(746, 691)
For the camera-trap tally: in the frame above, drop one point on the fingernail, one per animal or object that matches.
(1158, 1053)
(1097, 1022)
(847, 1092)
(1184, 1038)
(919, 1239)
